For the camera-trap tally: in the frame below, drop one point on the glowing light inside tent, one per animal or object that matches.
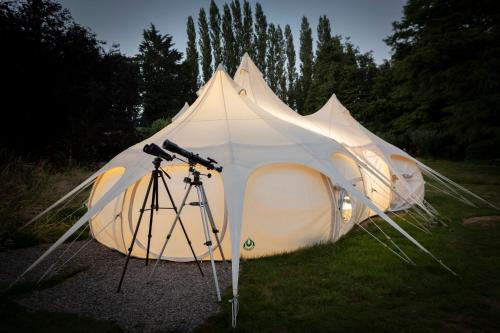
(346, 208)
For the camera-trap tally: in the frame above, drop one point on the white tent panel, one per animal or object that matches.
(413, 182)
(287, 206)
(110, 236)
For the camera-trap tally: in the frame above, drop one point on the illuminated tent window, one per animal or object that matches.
(345, 206)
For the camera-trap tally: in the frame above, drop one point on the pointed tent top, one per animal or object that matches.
(245, 60)
(251, 79)
(220, 67)
(336, 121)
(332, 107)
(248, 66)
(258, 91)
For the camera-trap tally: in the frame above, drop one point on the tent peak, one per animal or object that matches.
(220, 67)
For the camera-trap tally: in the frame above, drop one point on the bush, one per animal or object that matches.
(26, 189)
(156, 126)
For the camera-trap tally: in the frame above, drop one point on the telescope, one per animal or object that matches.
(193, 158)
(155, 150)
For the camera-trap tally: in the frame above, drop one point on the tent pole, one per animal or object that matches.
(86, 244)
(382, 243)
(392, 242)
(62, 254)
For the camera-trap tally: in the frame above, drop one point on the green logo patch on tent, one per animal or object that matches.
(249, 244)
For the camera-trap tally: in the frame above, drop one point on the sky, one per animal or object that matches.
(366, 22)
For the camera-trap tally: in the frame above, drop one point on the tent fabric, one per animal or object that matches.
(334, 120)
(275, 162)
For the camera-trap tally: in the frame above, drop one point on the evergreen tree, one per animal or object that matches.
(230, 54)
(280, 64)
(447, 82)
(291, 71)
(215, 33)
(205, 49)
(260, 38)
(329, 75)
(306, 59)
(191, 59)
(237, 26)
(366, 74)
(247, 35)
(324, 33)
(160, 69)
(271, 60)
(349, 89)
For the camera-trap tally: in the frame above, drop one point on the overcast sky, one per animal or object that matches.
(366, 22)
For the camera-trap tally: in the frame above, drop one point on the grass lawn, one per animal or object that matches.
(355, 284)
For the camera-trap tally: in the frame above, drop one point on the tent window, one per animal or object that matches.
(345, 206)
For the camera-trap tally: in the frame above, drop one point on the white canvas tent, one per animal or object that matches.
(388, 188)
(283, 186)
(335, 120)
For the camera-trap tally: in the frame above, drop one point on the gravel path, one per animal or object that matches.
(177, 298)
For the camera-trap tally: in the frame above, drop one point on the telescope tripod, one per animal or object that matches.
(153, 189)
(206, 219)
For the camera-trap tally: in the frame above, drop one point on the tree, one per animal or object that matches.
(215, 33)
(230, 55)
(62, 88)
(334, 70)
(260, 38)
(161, 70)
(280, 63)
(324, 33)
(237, 26)
(191, 59)
(306, 59)
(205, 49)
(247, 35)
(291, 71)
(445, 56)
(271, 59)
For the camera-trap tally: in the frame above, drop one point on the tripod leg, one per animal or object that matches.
(154, 200)
(182, 224)
(208, 242)
(177, 217)
(135, 234)
(211, 220)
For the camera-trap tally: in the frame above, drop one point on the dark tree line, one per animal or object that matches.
(437, 96)
(65, 97)
(443, 81)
